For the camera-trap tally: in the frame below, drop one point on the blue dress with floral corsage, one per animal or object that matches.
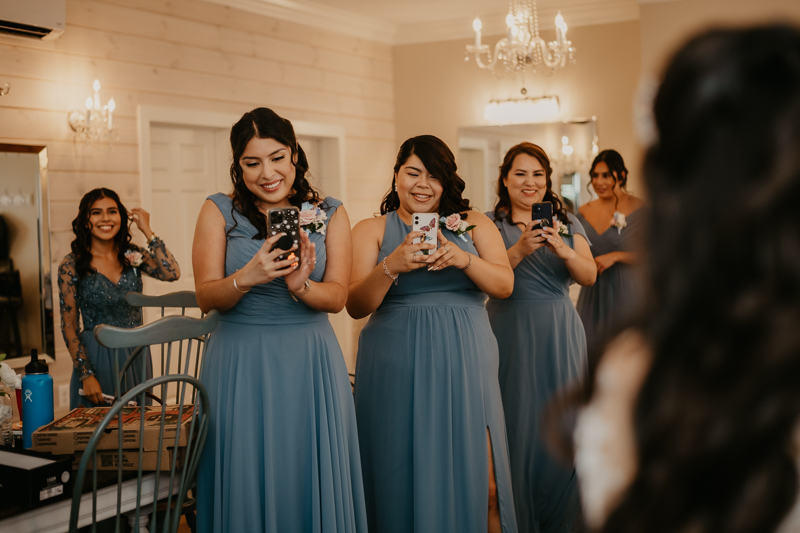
(282, 448)
(542, 350)
(101, 301)
(618, 290)
(426, 395)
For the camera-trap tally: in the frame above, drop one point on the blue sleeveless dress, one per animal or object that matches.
(542, 349)
(426, 392)
(617, 290)
(282, 449)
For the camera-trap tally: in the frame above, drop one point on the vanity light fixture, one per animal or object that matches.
(97, 122)
(522, 48)
(526, 110)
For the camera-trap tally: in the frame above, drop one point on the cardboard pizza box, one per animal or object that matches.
(110, 459)
(72, 432)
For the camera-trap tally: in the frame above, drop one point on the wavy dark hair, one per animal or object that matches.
(715, 416)
(440, 162)
(264, 123)
(616, 165)
(503, 207)
(82, 244)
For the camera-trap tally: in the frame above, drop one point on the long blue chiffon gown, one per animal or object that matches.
(426, 392)
(282, 449)
(617, 291)
(542, 349)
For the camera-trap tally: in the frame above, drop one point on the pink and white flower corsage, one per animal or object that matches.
(562, 229)
(135, 258)
(312, 218)
(618, 221)
(456, 225)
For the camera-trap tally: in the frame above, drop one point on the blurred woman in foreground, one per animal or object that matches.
(693, 419)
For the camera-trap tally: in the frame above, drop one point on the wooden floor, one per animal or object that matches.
(183, 527)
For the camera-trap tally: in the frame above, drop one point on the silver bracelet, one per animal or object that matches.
(235, 286)
(470, 261)
(305, 290)
(395, 277)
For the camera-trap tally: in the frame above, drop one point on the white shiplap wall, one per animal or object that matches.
(193, 55)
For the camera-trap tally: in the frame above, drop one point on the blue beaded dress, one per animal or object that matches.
(542, 350)
(618, 289)
(282, 448)
(426, 392)
(100, 301)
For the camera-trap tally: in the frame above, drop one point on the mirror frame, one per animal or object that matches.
(45, 262)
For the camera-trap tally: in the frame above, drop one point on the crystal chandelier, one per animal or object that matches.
(522, 48)
(96, 123)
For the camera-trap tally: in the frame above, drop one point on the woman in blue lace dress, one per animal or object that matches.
(540, 335)
(93, 281)
(282, 449)
(430, 416)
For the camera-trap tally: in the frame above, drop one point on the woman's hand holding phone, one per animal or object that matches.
(556, 244)
(448, 254)
(532, 238)
(296, 278)
(264, 267)
(403, 258)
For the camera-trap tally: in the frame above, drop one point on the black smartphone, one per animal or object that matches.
(285, 220)
(542, 212)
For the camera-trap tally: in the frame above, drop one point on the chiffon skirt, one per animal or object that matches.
(426, 394)
(282, 450)
(542, 351)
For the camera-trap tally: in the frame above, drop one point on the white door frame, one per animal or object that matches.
(331, 135)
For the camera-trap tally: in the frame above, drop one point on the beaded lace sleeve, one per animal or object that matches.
(159, 262)
(71, 317)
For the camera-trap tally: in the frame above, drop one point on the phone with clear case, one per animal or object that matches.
(285, 220)
(427, 224)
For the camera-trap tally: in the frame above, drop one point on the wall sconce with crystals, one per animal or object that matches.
(97, 122)
(522, 48)
(522, 110)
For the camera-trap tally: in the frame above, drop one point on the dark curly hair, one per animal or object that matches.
(503, 207)
(440, 162)
(82, 244)
(715, 417)
(264, 123)
(616, 165)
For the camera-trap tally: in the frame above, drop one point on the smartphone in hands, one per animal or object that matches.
(543, 212)
(428, 224)
(285, 220)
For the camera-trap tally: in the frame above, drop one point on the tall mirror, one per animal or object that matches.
(26, 294)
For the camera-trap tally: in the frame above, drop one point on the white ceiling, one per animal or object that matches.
(417, 21)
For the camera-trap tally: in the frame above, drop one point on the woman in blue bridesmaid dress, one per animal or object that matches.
(430, 416)
(93, 281)
(614, 223)
(541, 339)
(282, 449)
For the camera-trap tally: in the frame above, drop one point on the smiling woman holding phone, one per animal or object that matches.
(430, 417)
(282, 450)
(541, 339)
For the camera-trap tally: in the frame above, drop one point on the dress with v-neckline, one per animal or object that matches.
(617, 291)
